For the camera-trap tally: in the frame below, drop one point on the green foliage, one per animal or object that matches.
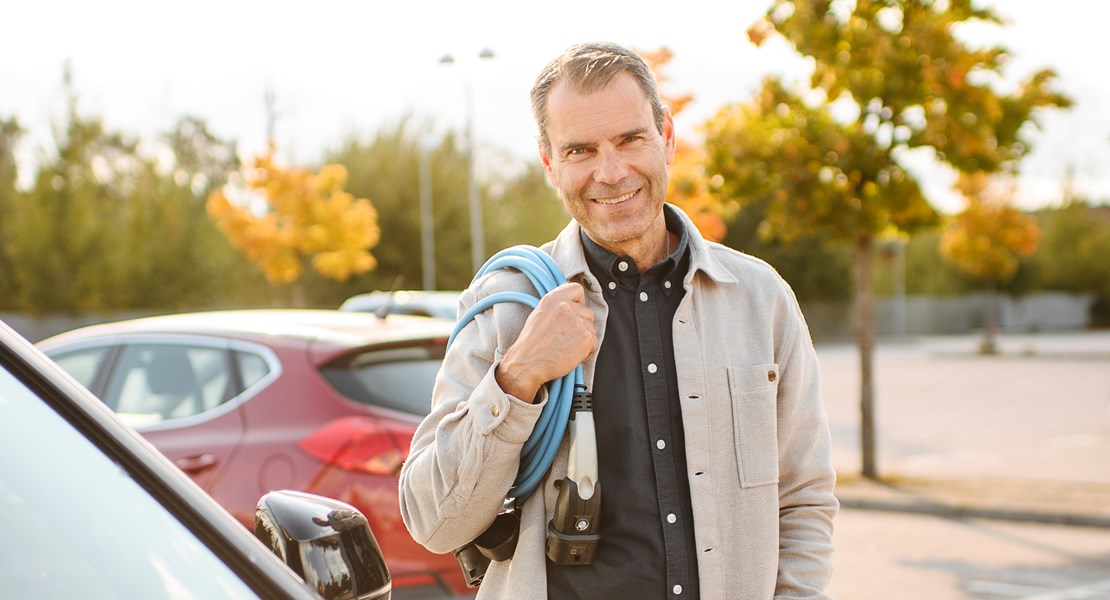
(903, 65)
(817, 269)
(64, 228)
(520, 208)
(1073, 254)
(817, 176)
(106, 228)
(386, 168)
(927, 273)
(10, 132)
(526, 210)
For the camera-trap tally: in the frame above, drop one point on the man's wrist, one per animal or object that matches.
(514, 383)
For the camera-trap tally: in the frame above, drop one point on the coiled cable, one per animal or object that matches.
(539, 449)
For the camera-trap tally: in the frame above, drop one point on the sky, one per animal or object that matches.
(341, 68)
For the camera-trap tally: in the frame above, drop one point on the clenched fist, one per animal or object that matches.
(557, 336)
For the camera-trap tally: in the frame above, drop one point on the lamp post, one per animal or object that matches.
(477, 250)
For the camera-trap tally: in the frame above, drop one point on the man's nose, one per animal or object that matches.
(611, 167)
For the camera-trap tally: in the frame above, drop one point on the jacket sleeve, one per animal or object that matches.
(807, 504)
(465, 454)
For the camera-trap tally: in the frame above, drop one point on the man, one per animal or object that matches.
(713, 446)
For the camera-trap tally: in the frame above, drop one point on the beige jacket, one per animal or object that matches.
(757, 439)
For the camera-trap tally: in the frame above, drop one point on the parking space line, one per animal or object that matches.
(999, 588)
(1086, 591)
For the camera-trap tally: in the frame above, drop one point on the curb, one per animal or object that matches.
(1050, 503)
(965, 512)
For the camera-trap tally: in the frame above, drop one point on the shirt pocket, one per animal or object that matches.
(754, 392)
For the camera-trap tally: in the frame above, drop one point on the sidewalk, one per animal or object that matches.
(1023, 435)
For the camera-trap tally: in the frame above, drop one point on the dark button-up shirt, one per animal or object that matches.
(647, 537)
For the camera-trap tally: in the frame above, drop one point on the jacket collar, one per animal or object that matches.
(566, 249)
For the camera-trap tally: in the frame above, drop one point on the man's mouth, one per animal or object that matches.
(616, 199)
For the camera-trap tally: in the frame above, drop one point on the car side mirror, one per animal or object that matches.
(327, 542)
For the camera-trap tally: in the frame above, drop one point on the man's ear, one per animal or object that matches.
(545, 160)
(668, 135)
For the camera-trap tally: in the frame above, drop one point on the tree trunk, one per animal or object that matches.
(865, 338)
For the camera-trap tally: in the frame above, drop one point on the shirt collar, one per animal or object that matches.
(568, 252)
(615, 270)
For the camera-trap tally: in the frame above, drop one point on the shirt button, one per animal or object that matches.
(612, 285)
(661, 444)
(494, 410)
(652, 368)
(643, 296)
(622, 265)
(677, 589)
(667, 284)
(771, 376)
(671, 518)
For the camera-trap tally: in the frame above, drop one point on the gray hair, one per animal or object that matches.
(588, 68)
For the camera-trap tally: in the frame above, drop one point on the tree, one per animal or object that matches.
(913, 84)
(107, 227)
(63, 229)
(385, 167)
(519, 205)
(1072, 254)
(818, 268)
(299, 218)
(986, 240)
(814, 176)
(10, 132)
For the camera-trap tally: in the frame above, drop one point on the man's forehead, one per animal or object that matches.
(618, 106)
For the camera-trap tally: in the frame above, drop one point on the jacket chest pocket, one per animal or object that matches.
(754, 392)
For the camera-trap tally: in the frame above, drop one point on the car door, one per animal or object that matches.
(177, 394)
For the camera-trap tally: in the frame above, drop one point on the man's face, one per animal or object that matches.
(609, 162)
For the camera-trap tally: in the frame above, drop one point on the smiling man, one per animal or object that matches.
(713, 446)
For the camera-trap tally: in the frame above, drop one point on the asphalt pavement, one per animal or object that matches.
(1023, 435)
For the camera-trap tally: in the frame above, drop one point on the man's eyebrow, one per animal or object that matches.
(634, 132)
(624, 135)
(567, 147)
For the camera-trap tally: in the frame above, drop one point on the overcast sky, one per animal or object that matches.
(343, 66)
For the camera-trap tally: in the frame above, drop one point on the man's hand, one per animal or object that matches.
(557, 336)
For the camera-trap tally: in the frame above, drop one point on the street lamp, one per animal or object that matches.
(477, 251)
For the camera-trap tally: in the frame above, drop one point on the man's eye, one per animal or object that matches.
(576, 151)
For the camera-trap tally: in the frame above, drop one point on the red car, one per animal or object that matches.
(251, 401)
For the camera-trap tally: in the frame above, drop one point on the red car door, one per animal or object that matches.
(177, 396)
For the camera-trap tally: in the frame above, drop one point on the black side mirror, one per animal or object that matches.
(328, 543)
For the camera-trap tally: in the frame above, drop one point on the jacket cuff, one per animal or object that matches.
(504, 415)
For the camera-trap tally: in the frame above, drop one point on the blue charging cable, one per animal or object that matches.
(539, 450)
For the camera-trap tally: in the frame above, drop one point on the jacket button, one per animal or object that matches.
(770, 376)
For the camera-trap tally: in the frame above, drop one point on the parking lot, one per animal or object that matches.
(1023, 436)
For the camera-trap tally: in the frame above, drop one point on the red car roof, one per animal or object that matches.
(332, 327)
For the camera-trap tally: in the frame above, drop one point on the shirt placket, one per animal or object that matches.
(654, 373)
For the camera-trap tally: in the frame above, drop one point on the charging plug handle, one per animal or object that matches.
(573, 534)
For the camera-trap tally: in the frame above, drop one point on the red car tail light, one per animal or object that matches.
(360, 444)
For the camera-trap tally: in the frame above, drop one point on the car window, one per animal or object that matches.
(76, 525)
(157, 382)
(83, 364)
(397, 378)
(252, 368)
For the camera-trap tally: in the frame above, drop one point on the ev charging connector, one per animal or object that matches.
(573, 532)
(497, 543)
